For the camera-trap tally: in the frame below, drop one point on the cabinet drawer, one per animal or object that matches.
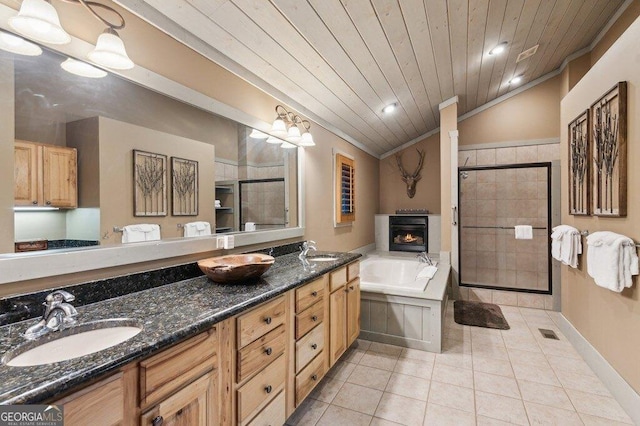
(309, 294)
(353, 271)
(338, 278)
(273, 414)
(309, 319)
(309, 378)
(103, 400)
(168, 371)
(260, 321)
(260, 353)
(309, 346)
(256, 393)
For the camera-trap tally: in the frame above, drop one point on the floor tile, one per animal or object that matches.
(412, 367)
(361, 344)
(453, 375)
(597, 405)
(545, 415)
(520, 357)
(438, 415)
(456, 346)
(500, 385)
(587, 383)
(353, 355)
(462, 360)
(452, 396)
(558, 347)
(377, 421)
(590, 420)
(400, 409)
(490, 351)
(308, 413)
(569, 365)
(545, 394)
(501, 407)
(488, 339)
(326, 389)
(358, 398)
(413, 387)
(341, 370)
(488, 421)
(532, 373)
(383, 348)
(369, 377)
(379, 360)
(417, 354)
(335, 415)
(492, 366)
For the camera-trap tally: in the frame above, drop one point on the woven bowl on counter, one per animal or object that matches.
(235, 267)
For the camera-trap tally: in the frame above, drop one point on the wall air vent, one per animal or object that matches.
(527, 53)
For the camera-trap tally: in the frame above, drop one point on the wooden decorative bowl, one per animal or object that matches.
(235, 267)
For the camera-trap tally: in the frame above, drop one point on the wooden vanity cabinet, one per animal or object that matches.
(344, 310)
(45, 175)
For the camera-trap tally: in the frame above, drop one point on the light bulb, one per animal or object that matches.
(389, 108)
(498, 49)
(293, 135)
(278, 128)
(307, 140)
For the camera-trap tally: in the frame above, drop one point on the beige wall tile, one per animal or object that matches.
(506, 155)
(486, 157)
(549, 152)
(531, 300)
(527, 154)
(480, 295)
(509, 298)
(462, 157)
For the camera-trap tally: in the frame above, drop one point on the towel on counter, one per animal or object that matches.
(611, 260)
(566, 245)
(197, 229)
(524, 232)
(140, 232)
(427, 272)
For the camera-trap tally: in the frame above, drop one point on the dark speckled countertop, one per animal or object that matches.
(170, 313)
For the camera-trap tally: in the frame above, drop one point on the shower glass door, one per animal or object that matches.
(492, 200)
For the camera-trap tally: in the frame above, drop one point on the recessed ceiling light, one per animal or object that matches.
(498, 49)
(515, 80)
(389, 108)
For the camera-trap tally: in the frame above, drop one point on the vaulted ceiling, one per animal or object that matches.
(341, 61)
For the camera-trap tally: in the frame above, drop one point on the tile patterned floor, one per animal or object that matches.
(482, 377)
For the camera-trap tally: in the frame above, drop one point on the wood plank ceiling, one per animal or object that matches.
(344, 60)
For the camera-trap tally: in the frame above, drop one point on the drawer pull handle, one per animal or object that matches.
(314, 318)
(267, 320)
(268, 389)
(48, 203)
(268, 351)
(157, 421)
(314, 377)
(314, 346)
(351, 288)
(314, 294)
(34, 202)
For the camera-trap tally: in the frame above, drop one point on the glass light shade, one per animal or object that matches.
(293, 135)
(38, 20)
(110, 52)
(307, 140)
(273, 140)
(82, 69)
(288, 145)
(18, 45)
(279, 128)
(257, 134)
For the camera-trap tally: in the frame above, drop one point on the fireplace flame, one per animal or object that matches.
(409, 238)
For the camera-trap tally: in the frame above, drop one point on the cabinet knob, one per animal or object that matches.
(268, 351)
(157, 421)
(314, 377)
(351, 288)
(48, 203)
(268, 389)
(314, 346)
(267, 320)
(346, 289)
(314, 318)
(314, 294)
(34, 202)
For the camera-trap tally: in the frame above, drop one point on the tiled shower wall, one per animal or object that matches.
(506, 197)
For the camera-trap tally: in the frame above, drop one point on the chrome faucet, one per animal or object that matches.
(306, 246)
(423, 257)
(58, 313)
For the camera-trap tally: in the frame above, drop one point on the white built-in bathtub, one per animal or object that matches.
(398, 306)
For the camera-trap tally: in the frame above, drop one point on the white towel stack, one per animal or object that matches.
(197, 229)
(611, 260)
(524, 232)
(427, 272)
(566, 245)
(140, 232)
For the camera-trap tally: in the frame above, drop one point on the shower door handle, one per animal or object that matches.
(454, 215)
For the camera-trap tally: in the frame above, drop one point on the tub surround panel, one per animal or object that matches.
(170, 314)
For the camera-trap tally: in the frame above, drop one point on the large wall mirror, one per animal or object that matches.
(246, 186)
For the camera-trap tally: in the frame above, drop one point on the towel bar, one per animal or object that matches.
(121, 229)
(500, 227)
(585, 232)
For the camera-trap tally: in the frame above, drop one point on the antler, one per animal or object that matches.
(419, 166)
(402, 170)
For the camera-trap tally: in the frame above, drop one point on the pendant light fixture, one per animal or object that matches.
(287, 125)
(39, 21)
(288, 145)
(82, 69)
(109, 51)
(14, 44)
(257, 134)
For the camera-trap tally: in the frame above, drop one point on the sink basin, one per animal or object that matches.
(236, 267)
(322, 258)
(83, 339)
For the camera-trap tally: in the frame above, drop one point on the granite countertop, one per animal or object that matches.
(170, 314)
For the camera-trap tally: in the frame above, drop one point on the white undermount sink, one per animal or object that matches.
(83, 339)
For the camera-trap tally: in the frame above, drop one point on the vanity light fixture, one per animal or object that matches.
(287, 125)
(14, 44)
(257, 134)
(288, 145)
(82, 69)
(516, 79)
(273, 140)
(498, 48)
(390, 108)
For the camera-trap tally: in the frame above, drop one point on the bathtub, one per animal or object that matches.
(399, 308)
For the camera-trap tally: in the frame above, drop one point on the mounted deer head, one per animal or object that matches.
(411, 179)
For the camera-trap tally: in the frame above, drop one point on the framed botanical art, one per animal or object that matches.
(579, 165)
(149, 184)
(608, 121)
(184, 193)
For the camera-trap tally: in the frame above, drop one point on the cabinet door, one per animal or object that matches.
(25, 173)
(337, 324)
(353, 311)
(59, 176)
(191, 406)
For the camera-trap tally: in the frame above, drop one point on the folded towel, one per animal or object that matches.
(140, 232)
(611, 260)
(197, 229)
(427, 272)
(566, 245)
(524, 232)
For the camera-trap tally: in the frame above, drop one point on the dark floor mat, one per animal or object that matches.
(479, 314)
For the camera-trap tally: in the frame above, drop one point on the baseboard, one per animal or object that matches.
(626, 396)
(364, 249)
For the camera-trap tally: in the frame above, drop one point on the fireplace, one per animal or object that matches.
(408, 233)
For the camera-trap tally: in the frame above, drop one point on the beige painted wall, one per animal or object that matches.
(609, 321)
(7, 136)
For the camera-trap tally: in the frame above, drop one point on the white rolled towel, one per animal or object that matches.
(611, 260)
(427, 272)
(197, 229)
(524, 232)
(140, 232)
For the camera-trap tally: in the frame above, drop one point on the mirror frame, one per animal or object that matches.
(33, 265)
